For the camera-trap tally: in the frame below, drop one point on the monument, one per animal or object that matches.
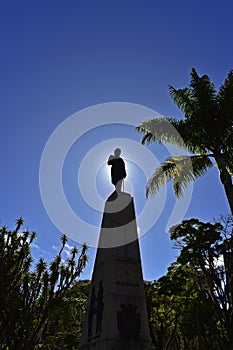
(116, 317)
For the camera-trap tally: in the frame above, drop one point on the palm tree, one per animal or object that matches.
(205, 133)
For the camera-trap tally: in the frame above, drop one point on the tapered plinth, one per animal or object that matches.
(116, 318)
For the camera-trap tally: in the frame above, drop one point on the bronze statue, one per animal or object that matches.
(118, 172)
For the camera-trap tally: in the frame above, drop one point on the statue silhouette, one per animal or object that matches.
(118, 172)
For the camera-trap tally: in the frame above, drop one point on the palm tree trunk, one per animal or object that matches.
(226, 180)
(229, 191)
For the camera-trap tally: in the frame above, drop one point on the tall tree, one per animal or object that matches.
(179, 312)
(205, 132)
(207, 250)
(29, 296)
(191, 306)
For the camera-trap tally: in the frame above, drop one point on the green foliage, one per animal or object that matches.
(29, 297)
(205, 131)
(182, 169)
(191, 306)
(64, 325)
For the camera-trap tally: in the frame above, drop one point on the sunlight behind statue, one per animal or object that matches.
(118, 172)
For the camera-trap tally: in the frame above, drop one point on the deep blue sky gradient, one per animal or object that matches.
(58, 57)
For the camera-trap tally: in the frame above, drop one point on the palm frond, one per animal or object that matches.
(201, 164)
(200, 105)
(225, 101)
(147, 138)
(177, 132)
(183, 99)
(228, 160)
(203, 92)
(160, 130)
(181, 169)
(230, 169)
(225, 94)
(191, 135)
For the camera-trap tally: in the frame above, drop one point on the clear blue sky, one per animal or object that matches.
(58, 57)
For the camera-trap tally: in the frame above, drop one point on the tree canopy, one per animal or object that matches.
(191, 306)
(205, 133)
(31, 294)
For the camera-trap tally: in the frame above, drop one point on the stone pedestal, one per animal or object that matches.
(116, 317)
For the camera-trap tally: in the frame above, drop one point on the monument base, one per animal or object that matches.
(116, 317)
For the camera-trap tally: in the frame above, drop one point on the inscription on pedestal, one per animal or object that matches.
(127, 260)
(127, 284)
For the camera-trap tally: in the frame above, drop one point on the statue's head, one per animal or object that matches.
(117, 152)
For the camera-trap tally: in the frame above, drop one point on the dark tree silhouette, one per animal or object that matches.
(205, 132)
(29, 296)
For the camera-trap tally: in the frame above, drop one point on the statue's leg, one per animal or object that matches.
(119, 185)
